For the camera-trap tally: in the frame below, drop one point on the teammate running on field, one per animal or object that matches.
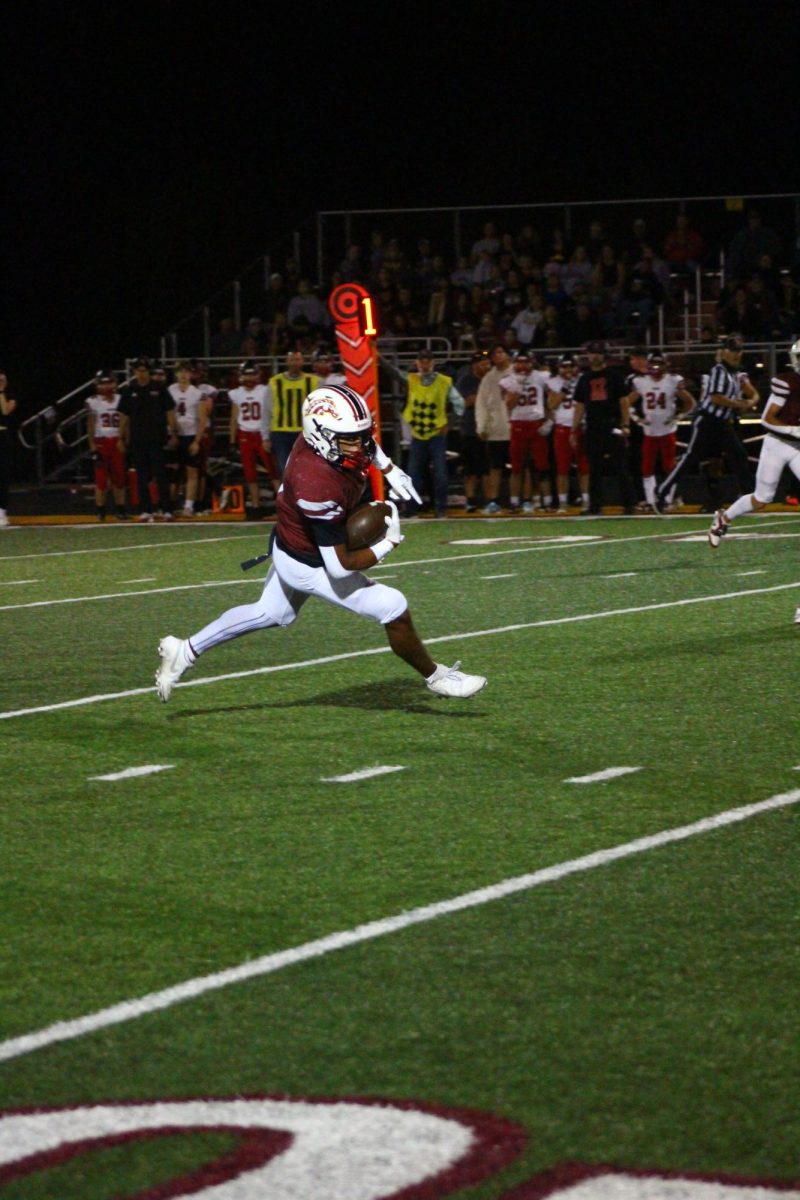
(779, 449)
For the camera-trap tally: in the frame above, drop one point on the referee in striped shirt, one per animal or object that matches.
(726, 391)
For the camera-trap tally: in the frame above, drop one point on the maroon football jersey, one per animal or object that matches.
(314, 502)
(786, 389)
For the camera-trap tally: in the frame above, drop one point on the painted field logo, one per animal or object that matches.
(339, 1150)
(287, 1149)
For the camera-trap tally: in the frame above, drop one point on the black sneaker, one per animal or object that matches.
(659, 503)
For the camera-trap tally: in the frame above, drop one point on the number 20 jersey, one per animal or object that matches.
(253, 405)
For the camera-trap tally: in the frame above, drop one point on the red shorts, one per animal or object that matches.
(527, 443)
(565, 454)
(111, 464)
(654, 448)
(251, 448)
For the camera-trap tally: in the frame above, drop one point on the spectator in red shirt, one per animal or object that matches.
(683, 247)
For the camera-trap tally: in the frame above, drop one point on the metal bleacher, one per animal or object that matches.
(56, 435)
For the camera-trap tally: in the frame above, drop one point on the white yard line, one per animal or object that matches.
(132, 773)
(741, 574)
(622, 575)
(147, 579)
(600, 776)
(190, 989)
(354, 776)
(17, 582)
(234, 537)
(511, 575)
(414, 562)
(447, 637)
(180, 587)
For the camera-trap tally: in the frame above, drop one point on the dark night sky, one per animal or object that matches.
(154, 150)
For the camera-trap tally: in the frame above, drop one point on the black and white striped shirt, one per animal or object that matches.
(722, 380)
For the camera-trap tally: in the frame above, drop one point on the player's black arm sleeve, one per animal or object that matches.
(334, 536)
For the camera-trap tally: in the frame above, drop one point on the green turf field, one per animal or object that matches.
(637, 1011)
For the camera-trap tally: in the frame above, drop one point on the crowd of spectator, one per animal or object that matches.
(534, 289)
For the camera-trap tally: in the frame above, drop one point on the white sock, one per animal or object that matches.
(649, 485)
(562, 500)
(739, 508)
(514, 501)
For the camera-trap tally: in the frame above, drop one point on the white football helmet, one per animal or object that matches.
(335, 411)
(794, 354)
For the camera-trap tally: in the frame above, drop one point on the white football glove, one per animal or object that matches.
(393, 525)
(400, 485)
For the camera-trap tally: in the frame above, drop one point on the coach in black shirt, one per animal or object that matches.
(600, 401)
(148, 422)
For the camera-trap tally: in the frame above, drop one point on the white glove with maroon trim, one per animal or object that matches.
(393, 525)
(400, 485)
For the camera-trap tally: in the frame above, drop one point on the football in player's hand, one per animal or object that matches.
(367, 525)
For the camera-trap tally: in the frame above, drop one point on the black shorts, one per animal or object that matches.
(180, 456)
(498, 454)
(474, 458)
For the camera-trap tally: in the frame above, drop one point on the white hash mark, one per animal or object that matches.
(366, 773)
(132, 772)
(599, 776)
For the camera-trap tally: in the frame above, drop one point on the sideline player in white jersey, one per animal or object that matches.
(102, 432)
(568, 448)
(656, 401)
(779, 449)
(250, 422)
(210, 393)
(323, 366)
(524, 390)
(191, 416)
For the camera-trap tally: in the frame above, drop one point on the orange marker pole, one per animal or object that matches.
(352, 309)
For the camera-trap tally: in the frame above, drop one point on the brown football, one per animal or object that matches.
(367, 525)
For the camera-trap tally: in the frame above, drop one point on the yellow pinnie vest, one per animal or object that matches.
(287, 401)
(426, 406)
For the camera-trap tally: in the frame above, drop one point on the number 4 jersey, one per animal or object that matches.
(188, 406)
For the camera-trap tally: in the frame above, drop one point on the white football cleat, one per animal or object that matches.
(450, 681)
(175, 660)
(719, 527)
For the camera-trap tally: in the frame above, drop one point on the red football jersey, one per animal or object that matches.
(314, 502)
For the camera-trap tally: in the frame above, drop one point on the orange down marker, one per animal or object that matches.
(352, 309)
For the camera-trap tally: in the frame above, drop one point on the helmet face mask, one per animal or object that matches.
(338, 426)
(656, 365)
(794, 354)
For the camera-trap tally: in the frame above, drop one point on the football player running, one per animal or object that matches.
(324, 481)
(780, 448)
